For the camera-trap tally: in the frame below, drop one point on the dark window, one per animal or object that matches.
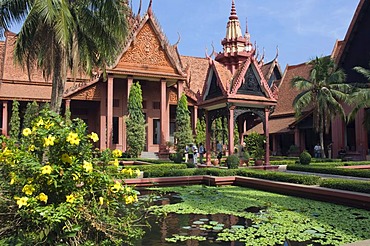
(115, 130)
(144, 104)
(156, 131)
(115, 103)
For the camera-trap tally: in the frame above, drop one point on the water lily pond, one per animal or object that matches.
(229, 215)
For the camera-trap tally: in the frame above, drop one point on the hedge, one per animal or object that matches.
(156, 167)
(274, 176)
(330, 170)
(350, 185)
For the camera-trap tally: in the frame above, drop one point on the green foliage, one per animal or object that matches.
(201, 131)
(58, 192)
(232, 161)
(32, 111)
(183, 133)
(350, 185)
(255, 145)
(293, 149)
(305, 157)
(15, 121)
(135, 122)
(236, 135)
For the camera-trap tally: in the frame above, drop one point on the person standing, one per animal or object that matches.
(195, 154)
(201, 153)
(186, 153)
(219, 151)
(329, 149)
(317, 150)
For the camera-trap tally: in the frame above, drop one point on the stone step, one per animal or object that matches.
(149, 155)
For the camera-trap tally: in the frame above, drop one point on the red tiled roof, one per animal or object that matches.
(224, 74)
(197, 72)
(286, 92)
(277, 125)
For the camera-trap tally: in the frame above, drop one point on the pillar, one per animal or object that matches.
(230, 122)
(180, 88)
(4, 129)
(130, 81)
(163, 152)
(109, 111)
(297, 138)
(103, 119)
(208, 140)
(267, 133)
(195, 119)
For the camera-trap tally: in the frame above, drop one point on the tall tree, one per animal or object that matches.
(135, 122)
(15, 121)
(201, 131)
(361, 97)
(183, 134)
(323, 92)
(61, 36)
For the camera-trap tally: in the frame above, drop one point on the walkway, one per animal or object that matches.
(324, 175)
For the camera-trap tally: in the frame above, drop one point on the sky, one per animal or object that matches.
(300, 29)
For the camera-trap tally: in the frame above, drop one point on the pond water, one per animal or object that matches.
(200, 230)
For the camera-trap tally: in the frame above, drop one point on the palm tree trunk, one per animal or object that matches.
(322, 136)
(59, 78)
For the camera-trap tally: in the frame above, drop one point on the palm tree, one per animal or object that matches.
(58, 36)
(323, 92)
(362, 98)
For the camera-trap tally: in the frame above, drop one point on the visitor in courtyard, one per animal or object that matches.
(317, 150)
(186, 153)
(201, 153)
(329, 149)
(219, 151)
(195, 154)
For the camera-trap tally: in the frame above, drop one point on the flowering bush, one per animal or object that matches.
(57, 191)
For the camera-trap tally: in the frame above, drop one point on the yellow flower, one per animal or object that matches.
(46, 169)
(116, 187)
(73, 138)
(75, 176)
(28, 190)
(101, 200)
(117, 153)
(48, 124)
(130, 199)
(137, 171)
(88, 166)
(31, 148)
(116, 163)
(42, 197)
(71, 198)
(26, 131)
(49, 141)
(66, 158)
(13, 177)
(21, 201)
(12, 181)
(94, 137)
(40, 122)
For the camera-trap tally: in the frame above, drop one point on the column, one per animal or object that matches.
(180, 88)
(164, 120)
(4, 129)
(267, 145)
(103, 119)
(230, 121)
(109, 111)
(195, 119)
(130, 81)
(274, 144)
(208, 141)
(297, 138)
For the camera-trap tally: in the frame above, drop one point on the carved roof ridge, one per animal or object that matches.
(77, 87)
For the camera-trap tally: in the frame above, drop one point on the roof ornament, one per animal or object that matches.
(233, 14)
(178, 40)
(262, 57)
(139, 10)
(277, 52)
(150, 11)
(212, 53)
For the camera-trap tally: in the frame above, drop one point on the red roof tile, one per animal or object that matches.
(197, 72)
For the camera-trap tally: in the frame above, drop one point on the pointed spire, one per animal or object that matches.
(233, 15)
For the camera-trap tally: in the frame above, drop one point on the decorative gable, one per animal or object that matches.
(251, 84)
(146, 53)
(214, 89)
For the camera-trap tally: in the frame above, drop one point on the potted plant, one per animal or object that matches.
(255, 145)
(245, 158)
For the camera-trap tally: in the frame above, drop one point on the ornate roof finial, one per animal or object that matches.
(233, 15)
(150, 8)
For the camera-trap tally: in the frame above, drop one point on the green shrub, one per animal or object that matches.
(305, 158)
(343, 184)
(59, 193)
(330, 170)
(178, 157)
(232, 161)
